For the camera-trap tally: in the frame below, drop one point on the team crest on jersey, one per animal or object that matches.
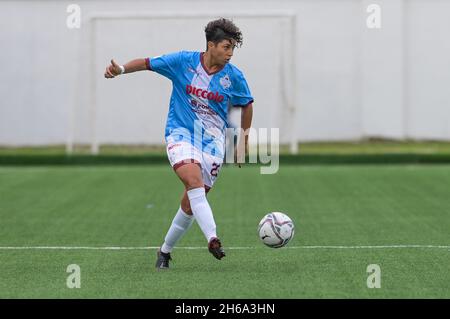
(225, 81)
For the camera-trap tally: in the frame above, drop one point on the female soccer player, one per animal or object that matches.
(204, 85)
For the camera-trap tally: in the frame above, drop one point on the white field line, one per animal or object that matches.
(231, 248)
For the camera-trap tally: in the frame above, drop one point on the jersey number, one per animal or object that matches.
(215, 169)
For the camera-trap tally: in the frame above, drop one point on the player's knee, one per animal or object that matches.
(186, 209)
(193, 182)
(186, 206)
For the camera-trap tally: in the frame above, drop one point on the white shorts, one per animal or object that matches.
(180, 153)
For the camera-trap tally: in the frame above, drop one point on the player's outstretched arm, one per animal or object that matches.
(115, 69)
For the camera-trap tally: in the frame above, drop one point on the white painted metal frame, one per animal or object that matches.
(289, 85)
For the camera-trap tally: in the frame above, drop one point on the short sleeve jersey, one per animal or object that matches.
(199, 102)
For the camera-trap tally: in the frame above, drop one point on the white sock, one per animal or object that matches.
(180, 224)
(202, 212)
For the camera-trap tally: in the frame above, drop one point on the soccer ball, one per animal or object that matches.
(276, 229)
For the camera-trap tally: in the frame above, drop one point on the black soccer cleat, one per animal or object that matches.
(215, 248)
(162, 262)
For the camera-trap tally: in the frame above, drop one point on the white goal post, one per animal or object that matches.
(287, 70)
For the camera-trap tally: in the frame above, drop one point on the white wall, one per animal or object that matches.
(351, 81)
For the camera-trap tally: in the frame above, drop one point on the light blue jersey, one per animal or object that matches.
(199, 102)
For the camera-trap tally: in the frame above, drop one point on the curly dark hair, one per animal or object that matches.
(222, 29)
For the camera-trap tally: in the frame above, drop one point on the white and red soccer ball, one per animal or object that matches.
(276, 229)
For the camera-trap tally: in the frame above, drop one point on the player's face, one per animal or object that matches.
(223, 51)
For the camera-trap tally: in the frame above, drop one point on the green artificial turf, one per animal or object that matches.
(357, 210)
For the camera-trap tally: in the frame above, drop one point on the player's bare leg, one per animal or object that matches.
(186, 205)
(191, 176)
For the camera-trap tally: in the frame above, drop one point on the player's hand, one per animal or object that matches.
(236, 157)
(112, 70)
